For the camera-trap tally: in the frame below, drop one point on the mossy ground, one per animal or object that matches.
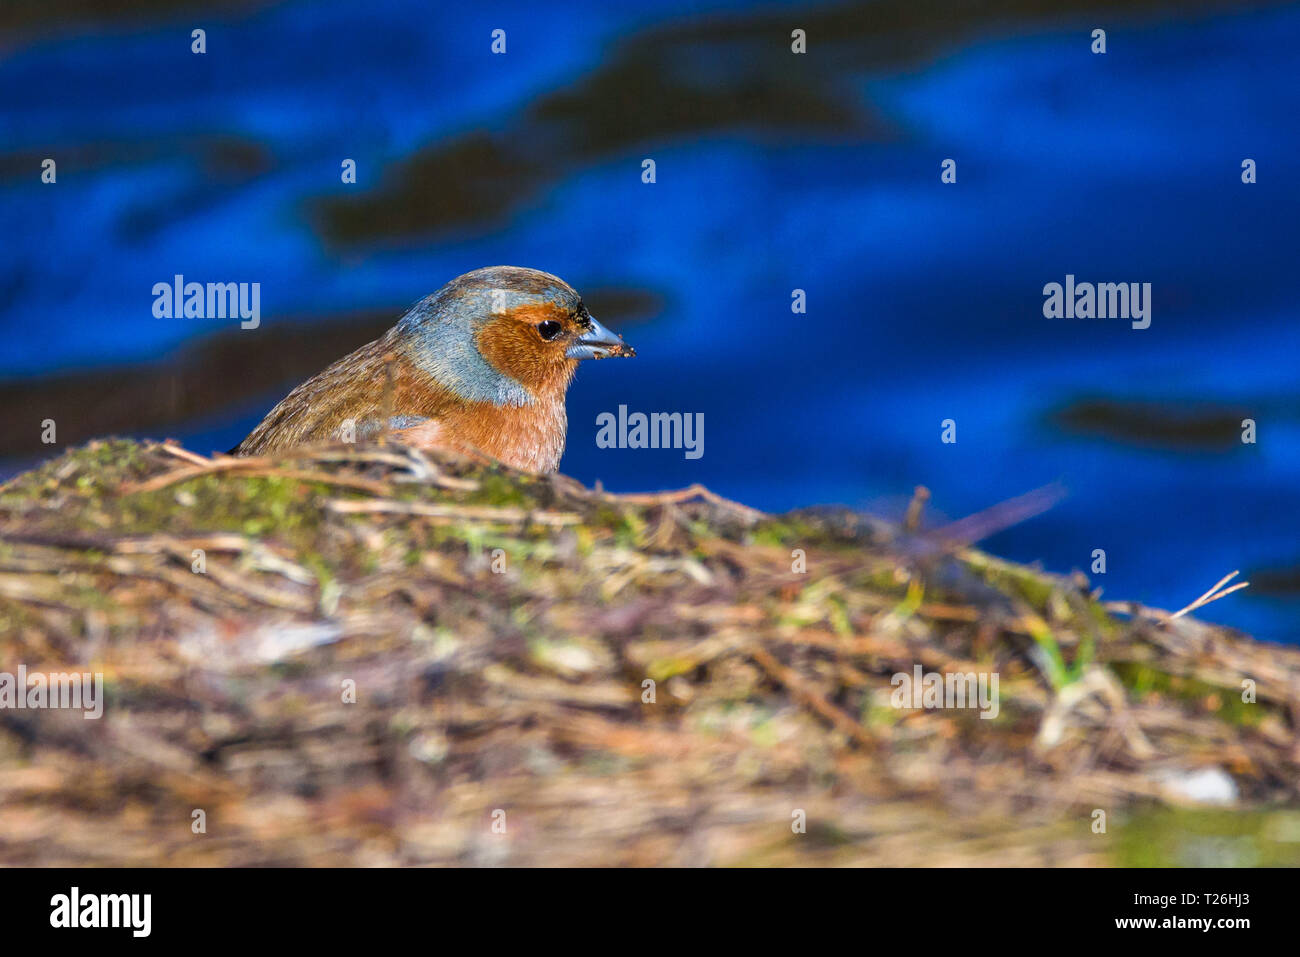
(499, 631)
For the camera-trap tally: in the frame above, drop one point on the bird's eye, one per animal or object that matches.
(549, 329)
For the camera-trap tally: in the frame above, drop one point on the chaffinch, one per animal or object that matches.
(481, 365)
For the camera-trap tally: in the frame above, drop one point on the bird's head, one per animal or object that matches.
(505, 334)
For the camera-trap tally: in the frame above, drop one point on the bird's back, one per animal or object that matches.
(316, 411)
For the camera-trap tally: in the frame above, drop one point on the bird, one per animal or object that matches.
(481, 367)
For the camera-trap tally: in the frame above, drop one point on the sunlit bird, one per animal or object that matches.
(480, 366)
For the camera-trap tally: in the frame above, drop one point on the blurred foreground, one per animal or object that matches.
(632, 680)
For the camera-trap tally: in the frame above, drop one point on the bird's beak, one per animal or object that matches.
(598, 343)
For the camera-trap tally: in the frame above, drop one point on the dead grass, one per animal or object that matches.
(500, 630)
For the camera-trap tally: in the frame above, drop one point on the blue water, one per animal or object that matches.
(924, 300)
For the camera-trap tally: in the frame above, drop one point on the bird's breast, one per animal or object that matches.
(529, 437)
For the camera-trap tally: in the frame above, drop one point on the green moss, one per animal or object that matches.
(1143, 680)
(1179, 837)
(836, 611)
(1030, 585)
(661, 669)
(772, 534)
(631, 531)
(607, 516)
(497, 489)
